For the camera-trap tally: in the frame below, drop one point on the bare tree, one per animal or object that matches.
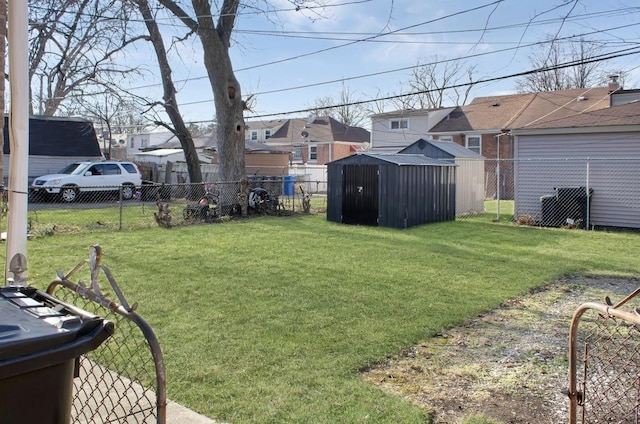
(215, 37)
(73, 46)
(111, 109)
(129, 117)
(345, 109)
(437, 83)
(550, 55)
(170, 103)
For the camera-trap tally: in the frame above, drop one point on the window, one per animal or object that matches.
(399, 124)
(474, 143)
(445, 138)
(111, 169)
(297, 154)
(267, 134)
(313, 153)
(254, 135)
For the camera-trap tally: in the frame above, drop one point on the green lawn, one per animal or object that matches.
(269, 320)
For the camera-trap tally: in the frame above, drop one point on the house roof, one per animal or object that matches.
(552, 105)
(210, 142)
(519, 110)
(264, 125)
(160, 152)
(57, 136)
(396, 159)
(404, 112)
(320, 129)
(624, 115)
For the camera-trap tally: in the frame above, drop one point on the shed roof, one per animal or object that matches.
(453, 149)
(58, 136)
(393, 158)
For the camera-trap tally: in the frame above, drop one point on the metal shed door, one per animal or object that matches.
(360, 194)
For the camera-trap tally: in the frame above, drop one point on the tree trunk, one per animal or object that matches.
(226, 88)
(170, 103)
(227, 96)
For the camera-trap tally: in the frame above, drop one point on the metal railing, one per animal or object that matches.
(124, 379)
(604, 363)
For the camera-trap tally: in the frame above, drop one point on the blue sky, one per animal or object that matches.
(275, 52)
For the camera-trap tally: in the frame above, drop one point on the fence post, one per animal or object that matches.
(587, 212)
(120, 209)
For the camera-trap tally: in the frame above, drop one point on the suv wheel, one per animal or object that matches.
(69, 194)
(128, 191)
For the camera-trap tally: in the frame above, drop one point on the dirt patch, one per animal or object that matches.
(510, 364)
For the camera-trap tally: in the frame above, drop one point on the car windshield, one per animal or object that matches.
(75, 168)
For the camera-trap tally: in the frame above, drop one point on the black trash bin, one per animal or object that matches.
(40, 339)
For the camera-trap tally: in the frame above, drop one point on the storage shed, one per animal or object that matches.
(469, 171)
(390, 190)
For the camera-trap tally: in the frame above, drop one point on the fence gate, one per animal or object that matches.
(123, 380)
(604, 363)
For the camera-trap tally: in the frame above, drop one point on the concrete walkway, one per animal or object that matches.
(178, 414)
(110, 396)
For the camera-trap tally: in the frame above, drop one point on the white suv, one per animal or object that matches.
(89, 176)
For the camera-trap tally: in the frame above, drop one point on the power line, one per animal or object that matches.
(600, 58)
(390, 71)
(406, 68)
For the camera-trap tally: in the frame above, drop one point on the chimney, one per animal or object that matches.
(614, 85)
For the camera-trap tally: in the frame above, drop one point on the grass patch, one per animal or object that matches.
(269, 320)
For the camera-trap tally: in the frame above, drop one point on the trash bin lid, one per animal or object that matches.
(31, 321)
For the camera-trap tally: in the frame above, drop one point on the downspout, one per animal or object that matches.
(15, 268)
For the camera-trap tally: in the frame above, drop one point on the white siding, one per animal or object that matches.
(383, 136)
(545, 162)
(469, 186)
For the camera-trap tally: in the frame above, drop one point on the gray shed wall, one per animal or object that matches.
(548, 161)
(416, 195)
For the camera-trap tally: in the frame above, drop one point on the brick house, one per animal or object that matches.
(318, 140)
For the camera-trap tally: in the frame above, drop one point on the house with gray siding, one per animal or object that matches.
(596, 150)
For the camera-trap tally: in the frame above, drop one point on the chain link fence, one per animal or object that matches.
(154, 204)
(123, 380)
(604, 358)
(583, 193)
(557, 192)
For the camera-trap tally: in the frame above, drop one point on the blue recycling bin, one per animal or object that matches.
(289, 182)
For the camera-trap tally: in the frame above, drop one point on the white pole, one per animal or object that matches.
(587, 217)
(498, 176)
(19, 138)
